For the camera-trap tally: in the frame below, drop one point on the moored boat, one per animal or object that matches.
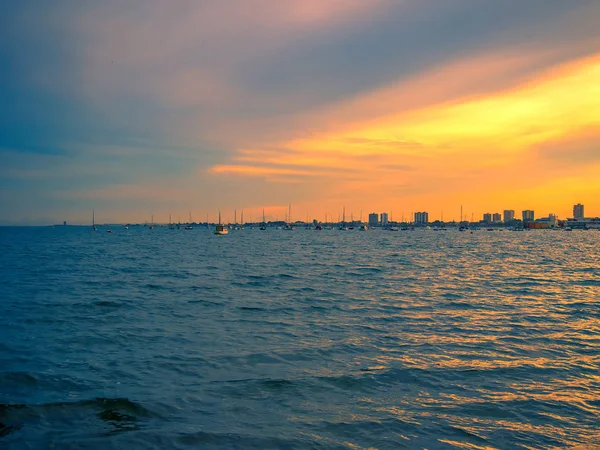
(221, 229)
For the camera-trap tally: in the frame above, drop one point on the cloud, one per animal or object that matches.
(574, 150)
(258, 101)
(396, 167)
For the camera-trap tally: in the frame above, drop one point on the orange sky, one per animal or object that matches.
(517, 148)
(375, 106)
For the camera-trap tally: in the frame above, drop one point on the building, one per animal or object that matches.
(422, 217)
(583, 223)
(373, 219)
(509, 215)
(543, 223)
(496, 218)
(578, 211)
(487, 217)
(528, 215)
(384, 219)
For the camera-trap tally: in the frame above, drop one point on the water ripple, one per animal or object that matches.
(171, 339)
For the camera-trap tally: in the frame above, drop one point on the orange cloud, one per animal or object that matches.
(475, 148)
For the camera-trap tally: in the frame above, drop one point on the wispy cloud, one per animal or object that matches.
(154, 105)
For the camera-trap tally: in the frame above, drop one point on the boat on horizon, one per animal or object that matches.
(263, 226)
(94, 221)
(221, 229)
(288, 226)
(343, 226)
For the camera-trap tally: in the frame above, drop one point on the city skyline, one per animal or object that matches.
(385, 106)
(280, 214)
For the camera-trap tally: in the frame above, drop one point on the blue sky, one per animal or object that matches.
(170, 107)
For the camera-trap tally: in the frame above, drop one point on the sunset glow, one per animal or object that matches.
(484, 140)
(320, 105)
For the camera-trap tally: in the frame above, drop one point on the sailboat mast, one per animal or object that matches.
(219, 217)
(290, 213)
(235, 216)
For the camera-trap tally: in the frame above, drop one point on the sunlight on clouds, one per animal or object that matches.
(563, 102)
(483, 141)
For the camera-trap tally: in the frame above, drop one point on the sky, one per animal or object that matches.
(136, 109)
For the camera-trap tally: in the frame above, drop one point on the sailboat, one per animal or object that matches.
(219, 228)
(236, 226)
(152, 223)
(93, 221)
(189, 226)
(289, 226)
(264, 222)
(307, 225)
(171, 224)
(343, 224)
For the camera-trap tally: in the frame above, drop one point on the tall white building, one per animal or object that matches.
(373, 219)
(509, 215)
(528, 215)
(384, 219)
(422, 217)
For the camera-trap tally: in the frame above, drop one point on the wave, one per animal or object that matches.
(121, 414)
(244, 441)
(103, 404)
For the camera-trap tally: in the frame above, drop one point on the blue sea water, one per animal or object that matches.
(305, 339)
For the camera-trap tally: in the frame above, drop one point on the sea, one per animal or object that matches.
(156, 338)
